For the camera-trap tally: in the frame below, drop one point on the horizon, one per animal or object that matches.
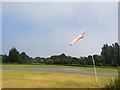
(55, 54)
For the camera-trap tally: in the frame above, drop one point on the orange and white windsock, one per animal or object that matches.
(76, 39)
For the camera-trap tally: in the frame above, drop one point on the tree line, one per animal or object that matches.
(109, 57)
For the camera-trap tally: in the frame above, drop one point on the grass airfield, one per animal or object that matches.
(43, 79)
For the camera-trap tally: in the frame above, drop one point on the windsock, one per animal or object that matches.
(76, 39)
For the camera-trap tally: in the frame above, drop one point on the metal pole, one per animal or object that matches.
(94, 69)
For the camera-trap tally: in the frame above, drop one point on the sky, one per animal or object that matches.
(47, 28)
(0, 28)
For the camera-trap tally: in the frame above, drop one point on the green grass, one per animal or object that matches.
(40, 79)
(87, 68)
(35, 79)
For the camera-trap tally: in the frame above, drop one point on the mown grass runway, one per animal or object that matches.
(43, 79)
(99, 69)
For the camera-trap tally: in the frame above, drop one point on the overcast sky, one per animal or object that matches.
(45, 29)
(0, 28)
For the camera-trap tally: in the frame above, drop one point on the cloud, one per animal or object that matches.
(0, 28)
(44, 29)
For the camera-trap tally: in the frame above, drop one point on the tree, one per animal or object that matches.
(14, 56)
(111, 54)
(5, 59)
(99, 60)
(89, 60)
(82, 61)
(24, 58)
(105, 53)
(73, 60)
(117, 53)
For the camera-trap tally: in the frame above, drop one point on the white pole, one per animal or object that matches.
(94, 69)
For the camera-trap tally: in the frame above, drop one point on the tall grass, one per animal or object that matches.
(113, 85)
